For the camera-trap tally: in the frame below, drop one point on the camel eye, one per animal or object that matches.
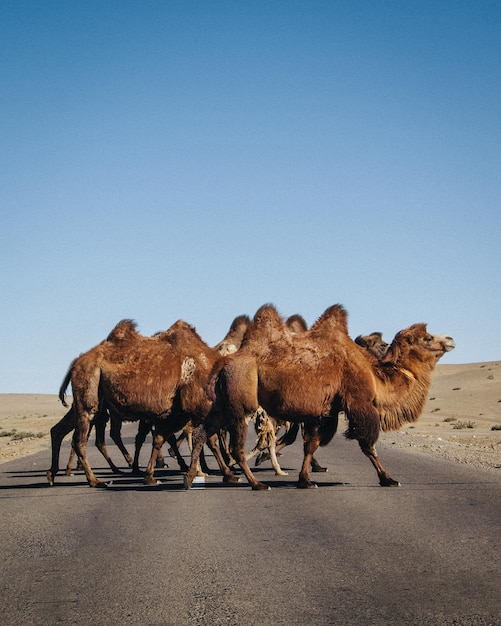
(428, 338)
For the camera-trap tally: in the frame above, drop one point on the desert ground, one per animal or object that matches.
(461, 421)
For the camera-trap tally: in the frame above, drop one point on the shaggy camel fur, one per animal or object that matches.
(267, 447)
(374, 344)
(159, 380)
(311, 377)
(229, 344)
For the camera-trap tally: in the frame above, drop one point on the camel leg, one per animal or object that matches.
(73, 454)
(174, 449)
(271, 454)
(274, 462)
(213, 443)
(158, 441)
(201, 471)
(116, 437)
(225, 447)
(311, 442)
(364, 426)
(175, 454)
(316, 467)
(385, 479)
(289, 437)
(142, 430)
(100, 422)
(238, 436)
(198, 438)
(80, 436)
(57, 433)
(71, 460)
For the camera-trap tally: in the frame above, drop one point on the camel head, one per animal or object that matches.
(416, 340)
(374, 344)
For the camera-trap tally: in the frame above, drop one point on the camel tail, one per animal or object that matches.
(64, 386)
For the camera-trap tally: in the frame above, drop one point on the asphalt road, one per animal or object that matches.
(349, 552)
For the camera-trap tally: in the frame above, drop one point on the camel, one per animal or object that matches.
(312, 376)
(158, 380)
(229, 344)
(373, 343)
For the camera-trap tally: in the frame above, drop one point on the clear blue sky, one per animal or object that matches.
(197, 159)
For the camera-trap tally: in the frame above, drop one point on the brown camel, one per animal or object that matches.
(158, 380)
(312, 376)
(229, 344)
(373, 343)
(121, 339)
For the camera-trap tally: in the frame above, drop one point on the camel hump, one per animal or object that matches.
(123, 331)
(267, 314)
(233, 339)
(267, 326)
(297, 324)
(239, 324)
(335, 316)
(182, 337)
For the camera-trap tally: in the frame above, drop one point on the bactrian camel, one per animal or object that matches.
(312, 376)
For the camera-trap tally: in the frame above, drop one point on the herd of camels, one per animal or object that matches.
(278, 373)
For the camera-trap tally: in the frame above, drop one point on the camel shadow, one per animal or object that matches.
(167, 480)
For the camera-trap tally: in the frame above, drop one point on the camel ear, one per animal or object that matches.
(393, 352)
(407, 336)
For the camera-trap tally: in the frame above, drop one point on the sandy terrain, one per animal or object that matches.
(461, 395)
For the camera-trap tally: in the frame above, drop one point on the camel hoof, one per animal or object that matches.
(98, 484)
(282, 473)
(389, 482)
(231, 478)
(319, 468)
(50, 478)
(187, 482)
(307, 484)
(260, 487)
(150, 480)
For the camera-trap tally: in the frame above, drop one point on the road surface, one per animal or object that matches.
(349, 552)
